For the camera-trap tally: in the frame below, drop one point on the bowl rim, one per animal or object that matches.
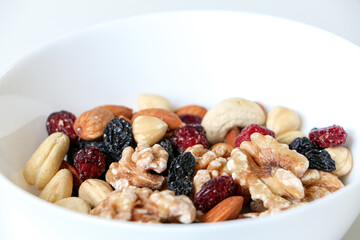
(30, 198)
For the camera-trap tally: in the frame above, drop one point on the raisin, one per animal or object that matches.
(250, 129)
(188, 136)
(328, 137)
(117, 136)
(181, 173)
(213, 192)
(302, 145)
(89, 163)
(62, 121)
(190, 119)
(166, 144)
(320, 159)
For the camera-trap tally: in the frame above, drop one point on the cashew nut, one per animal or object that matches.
(229, 113)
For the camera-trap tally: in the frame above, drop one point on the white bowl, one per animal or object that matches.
(189, 57)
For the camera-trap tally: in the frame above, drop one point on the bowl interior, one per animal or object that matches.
(190, 58)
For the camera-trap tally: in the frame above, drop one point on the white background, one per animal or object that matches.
(25, 25)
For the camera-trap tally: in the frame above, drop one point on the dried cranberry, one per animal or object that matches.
(250, 129)
(213, 192)
(190, 119)
(328, 136)
(189, 135)
(89, 162)
(62, 121)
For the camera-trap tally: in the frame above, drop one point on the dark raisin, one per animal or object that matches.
(213, 192)
(166, 144)
(181, 173)
(328, 137)
(250, 129)
(320, 159)
(117, 136)
(302, 145)
(188, 136)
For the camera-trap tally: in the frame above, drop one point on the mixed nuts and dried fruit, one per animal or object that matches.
(191, 165)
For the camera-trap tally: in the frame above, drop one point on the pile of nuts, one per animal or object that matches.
(191, 165)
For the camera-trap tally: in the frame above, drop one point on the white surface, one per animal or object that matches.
(25, 25)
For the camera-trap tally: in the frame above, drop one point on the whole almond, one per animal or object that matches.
(192, 109)
(59, 187)
(76, 179)
(148, 129)
(227, 209)
(171, 119)
(75, 204)
(46, 160)
(118, 111)
(153, 101)
(91, 124)
(231, 135)
(94, 191)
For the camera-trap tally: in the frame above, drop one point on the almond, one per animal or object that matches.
(227, 209)
(118, 111)
(91, 124)
(76, 179)
(171, 119)
(231, 135)
(192, 109)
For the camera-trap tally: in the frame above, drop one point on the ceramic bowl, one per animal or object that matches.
(190, 58)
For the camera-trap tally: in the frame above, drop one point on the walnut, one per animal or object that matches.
(201, 177)
(265, 150)
(322, 179)
(315, 192)
(126, 172)
(150, 158)
(144, 205)
(239, 167)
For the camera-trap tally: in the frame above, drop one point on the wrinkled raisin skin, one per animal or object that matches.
(166, 144)
(302, 145)
(213, 192)
(181, 173)
(117, 136)
(328, 137)
(320, 159)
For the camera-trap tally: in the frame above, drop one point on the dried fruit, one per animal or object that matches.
(181, 173)
(250, 129)
(328, 137)
(188, 136)
(302, 145)
(62, 121)
(190, 119)
(167, 146)
(89, 163)
(213, 192)
(117, 136)
(321, 160)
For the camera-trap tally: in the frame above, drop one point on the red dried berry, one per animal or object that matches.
(250, 129)
(328, 136)
(62, 121)
(190, 119)
(213, 192)
(189, 135)
(89, 162)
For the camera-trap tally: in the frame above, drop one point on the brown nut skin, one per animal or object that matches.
(118, 110)
(227, 209)
(76, 179)
(91, 124)
(231, 135)
(171, 119)
(192, 109)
